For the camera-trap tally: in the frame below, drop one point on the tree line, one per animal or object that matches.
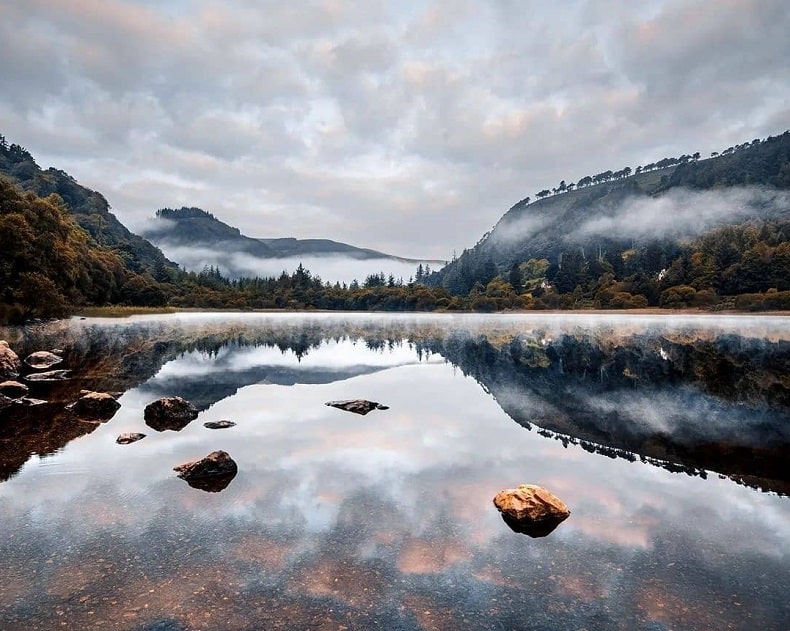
(609, 175)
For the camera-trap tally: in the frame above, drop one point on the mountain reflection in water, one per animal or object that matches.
(386, 520)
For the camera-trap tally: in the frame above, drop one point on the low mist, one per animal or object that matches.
(679, 213)
(331, 268)
(683, 213)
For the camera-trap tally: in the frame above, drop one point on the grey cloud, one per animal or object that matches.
(407, 128)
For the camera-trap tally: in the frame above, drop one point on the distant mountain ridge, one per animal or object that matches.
(291, 246)
(191, 227)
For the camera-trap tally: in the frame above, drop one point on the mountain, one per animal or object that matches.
(90, 209)
(290, 246)
(197, 239)
(634, 226)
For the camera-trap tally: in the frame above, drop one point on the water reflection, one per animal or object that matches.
(338, 520)
(534, 529)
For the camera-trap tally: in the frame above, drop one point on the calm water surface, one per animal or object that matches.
(666, 437)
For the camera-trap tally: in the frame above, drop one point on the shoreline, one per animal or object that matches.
(122, 312)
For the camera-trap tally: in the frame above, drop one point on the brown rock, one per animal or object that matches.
(95, 405)
(129, 437)
(13, 389)
(531, 509)
(172, 413)
(50, 375)
(212, 473)
(9, 362)
(42, 360)
(357, 406)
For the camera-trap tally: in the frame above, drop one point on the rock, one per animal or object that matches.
(41, 360)
(212, 473)
(95, 405)
(129, 437)
(357, 406)
(9, 362)
(50, 375)
(531, 510)
(13, 389)
(22, 402)
(219, 424)
(172, 413)
(113, 393)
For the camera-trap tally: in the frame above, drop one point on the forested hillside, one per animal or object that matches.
(678, 232)
(90, 208)
(48, 264)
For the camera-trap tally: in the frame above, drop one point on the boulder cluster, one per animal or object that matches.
(528, 509)
(212, 473)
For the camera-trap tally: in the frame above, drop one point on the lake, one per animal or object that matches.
(666, 436)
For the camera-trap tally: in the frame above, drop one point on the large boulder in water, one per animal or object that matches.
(172, 413)
(212, 473)
(531, 509)
(357, 406)
(9, 362)
(13, 389)
(95, 406)
(43, 360)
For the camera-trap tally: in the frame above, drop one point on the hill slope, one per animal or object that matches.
(90, 209)
(661, 210)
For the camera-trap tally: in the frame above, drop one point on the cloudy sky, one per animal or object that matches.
(408, 126)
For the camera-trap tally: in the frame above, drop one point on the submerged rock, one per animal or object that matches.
(129, 437)
(24, 402)
(531, 510)
(29, 402)
(50, 375)
(13, 389)
(357, 406)
(173, 413)
(95, 405)
(41, 360)
(219, 424)
(212, 473)
(9, 362)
